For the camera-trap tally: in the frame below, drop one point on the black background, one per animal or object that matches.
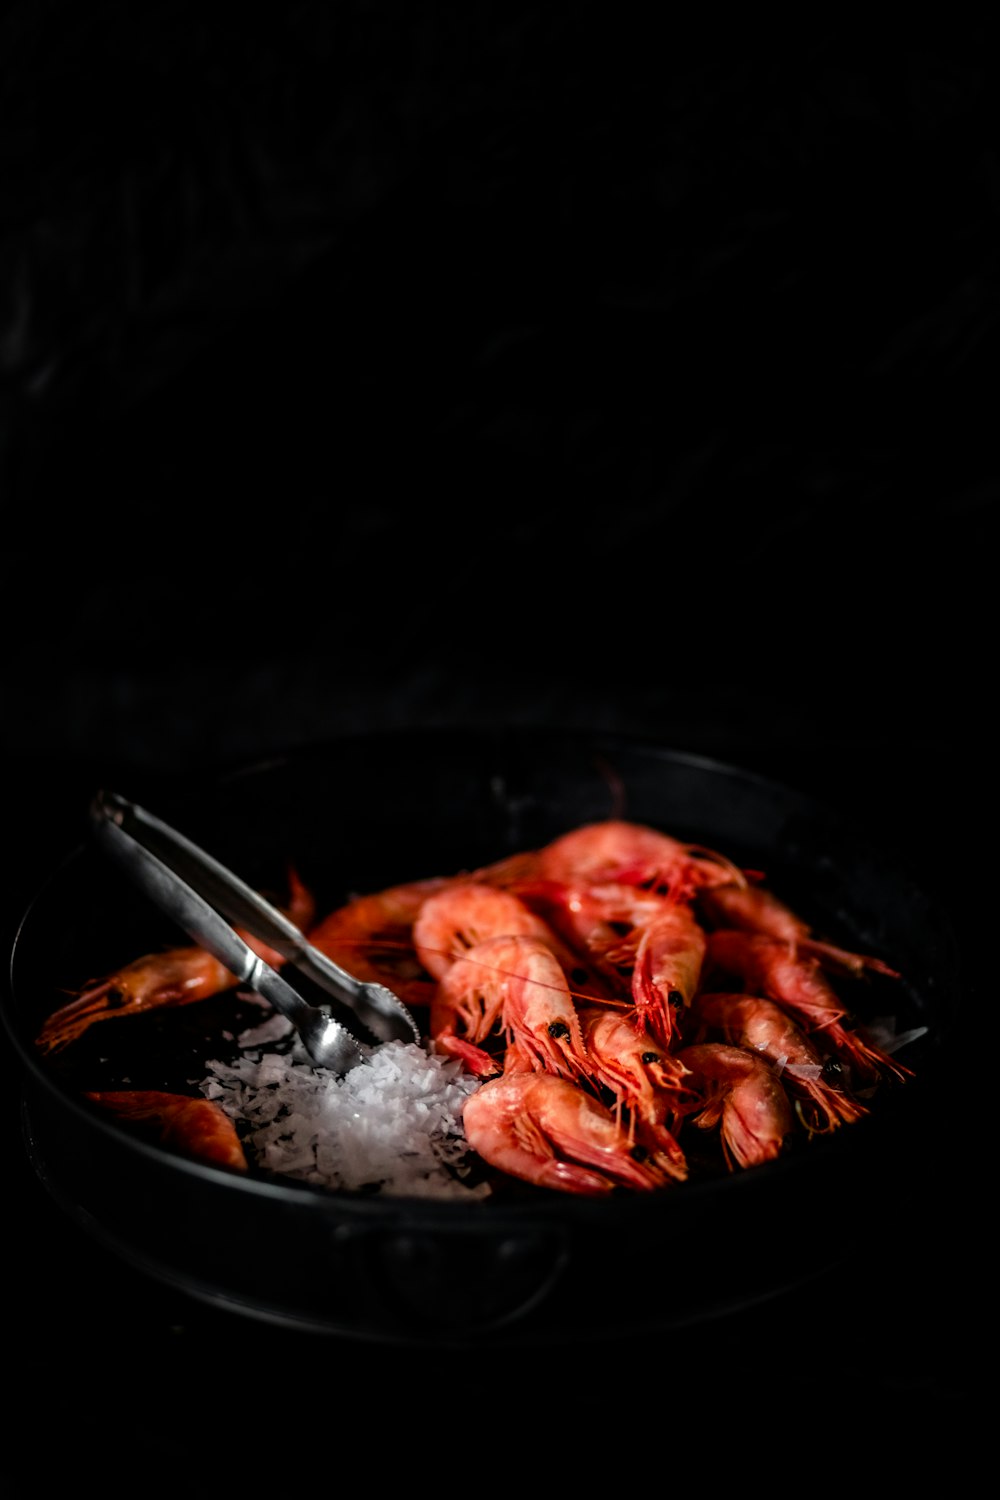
(373, 365)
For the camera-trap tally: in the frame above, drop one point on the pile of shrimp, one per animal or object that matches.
(620, 996)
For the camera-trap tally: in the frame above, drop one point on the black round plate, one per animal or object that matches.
(364, 812)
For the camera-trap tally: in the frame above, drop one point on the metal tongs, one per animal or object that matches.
(200, 894)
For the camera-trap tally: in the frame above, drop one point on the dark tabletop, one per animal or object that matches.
(386, 366)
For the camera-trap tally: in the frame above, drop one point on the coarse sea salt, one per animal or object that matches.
(391, 1125)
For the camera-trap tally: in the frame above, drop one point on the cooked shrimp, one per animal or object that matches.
(617, 850)
(645, 1079)
(743, 1096)
(514, 985)
(814, 1082)
(371, 936)
(548, 1131)
(453, 920)
(753, 908)
(158, 981)
(777, 970)
(667, 972)
(600, 924)
(195, 1127)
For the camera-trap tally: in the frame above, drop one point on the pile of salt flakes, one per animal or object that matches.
(392, 1124)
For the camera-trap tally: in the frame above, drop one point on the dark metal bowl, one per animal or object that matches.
(369, 811)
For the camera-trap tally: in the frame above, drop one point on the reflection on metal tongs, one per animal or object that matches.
(200, 894)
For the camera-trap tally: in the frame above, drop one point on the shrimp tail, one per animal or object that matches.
(475, 1060)
(841, 961)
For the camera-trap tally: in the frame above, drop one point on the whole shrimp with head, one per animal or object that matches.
(466, 912)
(623, 892)
(161, 981)
(776, 969)
(551, 1132)
(645, 1080)
(814, 1082)
(601, 927)
(510, 987)
(618, 851)
(667, 972)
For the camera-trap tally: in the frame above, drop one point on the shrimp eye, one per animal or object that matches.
(620, 929)
(114, 998)
(650, 1057)
(558, 1029)
(579, 976)
(639, 1153)
(833, 1073)
(675, 997)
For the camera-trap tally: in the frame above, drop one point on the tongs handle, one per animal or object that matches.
(194, 889)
